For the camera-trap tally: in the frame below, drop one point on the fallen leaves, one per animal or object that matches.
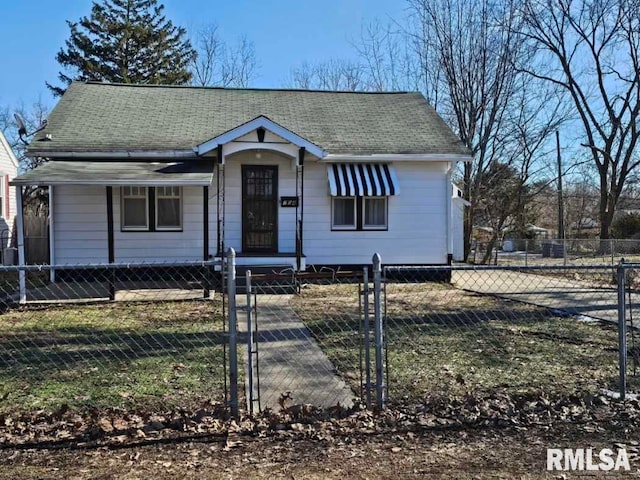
(497, 410)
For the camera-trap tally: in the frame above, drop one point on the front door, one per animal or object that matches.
(259, 209)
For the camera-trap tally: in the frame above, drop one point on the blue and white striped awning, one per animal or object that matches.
(362, 180)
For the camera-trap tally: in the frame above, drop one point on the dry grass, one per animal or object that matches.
(130, 355)
(443, 341)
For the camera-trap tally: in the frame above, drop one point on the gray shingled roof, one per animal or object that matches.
(95, 117)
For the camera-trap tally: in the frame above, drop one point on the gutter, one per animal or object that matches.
(116, 154)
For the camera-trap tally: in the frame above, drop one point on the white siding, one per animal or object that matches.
(8, 167)
(183, 246)
(233, 200)
(417, 220)
(416, 234)
(80, 224)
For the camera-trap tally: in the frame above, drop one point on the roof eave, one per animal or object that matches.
(399, 157)
(113, 182)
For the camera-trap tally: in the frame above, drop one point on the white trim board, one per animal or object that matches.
(252, 125)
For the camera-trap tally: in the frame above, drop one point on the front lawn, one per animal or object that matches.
(442, 341)
(145, 355)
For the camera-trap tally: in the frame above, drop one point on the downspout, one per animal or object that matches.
(449, 212)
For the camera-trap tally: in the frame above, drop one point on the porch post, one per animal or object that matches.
(219, 251)
(205, 239)
(22, 274)
(52, 243)
(110, 245)
(299, 249)
(205, 223)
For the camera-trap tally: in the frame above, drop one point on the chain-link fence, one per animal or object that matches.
(153, 337)
(139, 337)
(569, 251)
(420, 334)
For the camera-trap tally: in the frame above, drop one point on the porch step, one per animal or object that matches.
(285, 284)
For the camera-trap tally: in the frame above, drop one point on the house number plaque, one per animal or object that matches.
(288, 201)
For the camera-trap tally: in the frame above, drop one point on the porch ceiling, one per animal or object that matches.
(61, 172)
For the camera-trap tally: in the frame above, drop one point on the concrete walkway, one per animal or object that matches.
(290, 360)
(577, 297)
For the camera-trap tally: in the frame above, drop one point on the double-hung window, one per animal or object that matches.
(359, 213)
(374, 213)
(151, 208)
(344, 213)
(135, 208)
(168, 208)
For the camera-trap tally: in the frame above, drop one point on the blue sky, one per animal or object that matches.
(285, 33)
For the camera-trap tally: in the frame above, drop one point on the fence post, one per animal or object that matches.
(379, 340)
(249, 343)
(233, 331)
(611, 246)
(367, 336)
(622, 330)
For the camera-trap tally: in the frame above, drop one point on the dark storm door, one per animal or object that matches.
(259, 209)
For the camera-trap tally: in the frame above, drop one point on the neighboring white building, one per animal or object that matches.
(8, 171)
(457, 223)
(286, 177)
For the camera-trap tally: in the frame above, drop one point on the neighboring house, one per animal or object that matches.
(8, 171)
(285, 177)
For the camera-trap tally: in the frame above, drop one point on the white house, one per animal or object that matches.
(285, 177)
(8, 171)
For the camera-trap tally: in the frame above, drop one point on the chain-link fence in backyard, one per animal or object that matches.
(157, 337)
(569, 251)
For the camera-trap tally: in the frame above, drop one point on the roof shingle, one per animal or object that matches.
(97, 117)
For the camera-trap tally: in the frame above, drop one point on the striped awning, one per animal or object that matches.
(362, 180)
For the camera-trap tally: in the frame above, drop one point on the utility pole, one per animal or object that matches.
(560, 195)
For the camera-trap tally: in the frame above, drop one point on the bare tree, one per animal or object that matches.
(206, 64)
(518, 170)
(36, 198)
(335, 74)
(219, 64)
(591, 49)
(33, 116)
(473, 45)
(389, 61)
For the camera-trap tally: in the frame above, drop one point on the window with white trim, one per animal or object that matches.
(168, 208)
(344, 213)
(145, 209)
(374, 213)
(135, 208)
(359, 213)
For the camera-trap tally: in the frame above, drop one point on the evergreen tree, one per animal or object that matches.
(127, 41)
